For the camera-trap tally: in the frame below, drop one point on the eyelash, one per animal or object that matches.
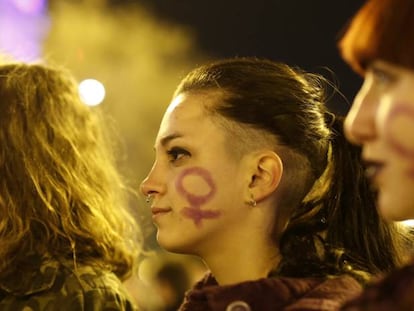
(176, 153)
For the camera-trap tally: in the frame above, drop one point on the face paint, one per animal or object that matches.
(400, 120)
(398, 127)
(200, 177)
(392, 151)
(197, 207)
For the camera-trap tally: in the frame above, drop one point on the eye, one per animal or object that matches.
(177, 153)
(382, 77)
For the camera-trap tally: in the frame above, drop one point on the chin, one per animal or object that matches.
(386, 210)
(396, 211)
(171, 245)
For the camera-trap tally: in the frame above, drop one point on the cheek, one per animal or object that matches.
(196, 185)
(398, 128)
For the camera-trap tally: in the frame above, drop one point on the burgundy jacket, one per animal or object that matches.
(393, 292)
(273, 293)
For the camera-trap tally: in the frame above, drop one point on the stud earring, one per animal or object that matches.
(252, 201)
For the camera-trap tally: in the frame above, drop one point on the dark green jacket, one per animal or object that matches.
(57, 286)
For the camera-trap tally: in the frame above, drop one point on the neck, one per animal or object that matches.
(244, 250)
(246, 261)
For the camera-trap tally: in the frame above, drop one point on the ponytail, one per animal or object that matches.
(351, 206)
(330, 236)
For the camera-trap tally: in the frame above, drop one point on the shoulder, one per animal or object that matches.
(86, 277)
(393, 292)
(85, 288)
(92, 288)
(328, 294)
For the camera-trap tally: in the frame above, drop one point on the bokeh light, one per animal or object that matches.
(140, 59)
(91, 92)
(409, 223)
(30, 6)
(23, 27)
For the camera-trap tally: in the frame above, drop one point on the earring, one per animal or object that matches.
(148, 198)
(252, 201)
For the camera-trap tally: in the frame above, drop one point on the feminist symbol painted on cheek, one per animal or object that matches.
(194, 211)
(401, 113)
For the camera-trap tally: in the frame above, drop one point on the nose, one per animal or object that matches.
(360, 121)
(152, 184)
(145, 187)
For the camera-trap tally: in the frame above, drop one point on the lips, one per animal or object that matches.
(160, 211)
(372, 171)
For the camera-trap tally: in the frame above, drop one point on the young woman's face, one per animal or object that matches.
(196, 182)
(382, 121)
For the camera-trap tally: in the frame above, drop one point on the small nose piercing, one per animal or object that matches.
(148, 198)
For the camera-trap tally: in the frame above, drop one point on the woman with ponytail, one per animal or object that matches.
(253, 175)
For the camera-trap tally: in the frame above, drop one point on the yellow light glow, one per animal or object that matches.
(408, 223)
(91, 92)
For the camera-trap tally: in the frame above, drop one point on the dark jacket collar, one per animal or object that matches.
(273, 293)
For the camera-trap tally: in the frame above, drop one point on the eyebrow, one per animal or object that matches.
(165, 140)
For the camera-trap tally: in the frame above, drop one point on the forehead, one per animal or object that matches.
(188, 105)
(188, 115)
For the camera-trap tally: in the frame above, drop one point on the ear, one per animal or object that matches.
(266, 173)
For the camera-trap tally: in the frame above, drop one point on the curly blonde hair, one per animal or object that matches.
(60, 190)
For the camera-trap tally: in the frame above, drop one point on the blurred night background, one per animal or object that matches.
(140, 49)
